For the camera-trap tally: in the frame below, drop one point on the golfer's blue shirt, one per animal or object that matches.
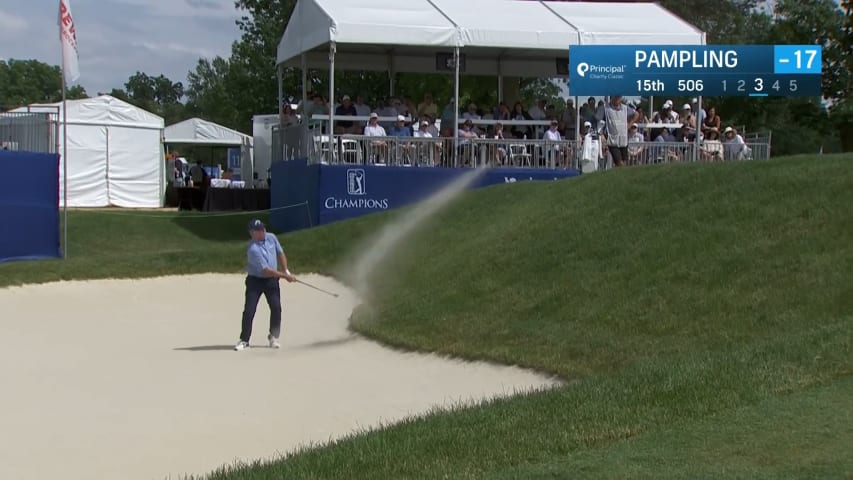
(262, 255)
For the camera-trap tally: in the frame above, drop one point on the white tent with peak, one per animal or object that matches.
(115, 153)
(197, 131)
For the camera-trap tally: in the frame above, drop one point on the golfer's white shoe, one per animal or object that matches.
(273, 342)
(242, 345)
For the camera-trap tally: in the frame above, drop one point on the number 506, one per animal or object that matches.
(690, 85)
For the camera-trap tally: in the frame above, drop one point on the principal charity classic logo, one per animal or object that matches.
(356, 187)
(355, 181)
(601, 71)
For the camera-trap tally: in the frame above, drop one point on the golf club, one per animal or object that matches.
(317, 288)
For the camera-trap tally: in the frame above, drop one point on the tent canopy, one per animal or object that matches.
(104, 110)
(197, 131)
(495, 36)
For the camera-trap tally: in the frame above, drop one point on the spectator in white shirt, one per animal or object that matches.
(555, 151)
(537, 112)
(377, 149)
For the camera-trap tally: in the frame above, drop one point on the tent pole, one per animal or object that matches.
(332, 145)
(456, 108)
(305, 120)
(578, 151)
(280, 94)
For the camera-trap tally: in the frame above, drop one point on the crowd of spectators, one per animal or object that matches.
(404, 116)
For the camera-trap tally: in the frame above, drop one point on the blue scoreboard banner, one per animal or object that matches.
(693, 70)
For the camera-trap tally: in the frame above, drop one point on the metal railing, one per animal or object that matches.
(442, 152)
(30, 131)
(445, 152)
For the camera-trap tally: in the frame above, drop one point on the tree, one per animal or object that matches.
(158, 95)
(23, 82)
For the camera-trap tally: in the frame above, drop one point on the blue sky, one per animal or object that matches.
(118, 37)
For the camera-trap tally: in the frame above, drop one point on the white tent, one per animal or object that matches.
(115, 153)
(507, 37)
(197, 131)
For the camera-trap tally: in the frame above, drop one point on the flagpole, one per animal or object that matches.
(62, 67)
(64, 167)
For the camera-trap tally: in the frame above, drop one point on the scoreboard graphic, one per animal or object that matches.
(693, 70)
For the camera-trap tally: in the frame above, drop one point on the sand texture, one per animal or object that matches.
(138, 380)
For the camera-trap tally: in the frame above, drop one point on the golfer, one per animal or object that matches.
(266, 264)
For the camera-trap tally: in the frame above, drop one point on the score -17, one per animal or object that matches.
(758, 85)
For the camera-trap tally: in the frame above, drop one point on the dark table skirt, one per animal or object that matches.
(247, 199)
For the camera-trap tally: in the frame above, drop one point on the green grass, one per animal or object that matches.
(702, 312)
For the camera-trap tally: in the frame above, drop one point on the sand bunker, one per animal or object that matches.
(137, 379)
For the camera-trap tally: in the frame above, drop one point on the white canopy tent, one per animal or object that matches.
(197, 131)
(528, 38)
(115, 153)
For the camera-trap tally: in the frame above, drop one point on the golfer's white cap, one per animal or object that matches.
(401, 118)
(587, 124)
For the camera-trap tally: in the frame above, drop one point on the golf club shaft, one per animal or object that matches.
(316, 288)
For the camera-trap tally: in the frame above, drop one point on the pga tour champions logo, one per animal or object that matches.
(357, 188)
(355, 181)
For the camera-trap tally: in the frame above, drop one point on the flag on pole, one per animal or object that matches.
(68, 37)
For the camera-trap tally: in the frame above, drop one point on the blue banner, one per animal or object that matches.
(293, 195)
(693, 70)
(352, 191)
(29, 206)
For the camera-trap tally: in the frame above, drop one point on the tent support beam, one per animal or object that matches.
(305, 120)
(332, 144)
(278, 74)
(456, 107)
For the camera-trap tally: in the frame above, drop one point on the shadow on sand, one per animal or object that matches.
(206, 348)
(308, 346)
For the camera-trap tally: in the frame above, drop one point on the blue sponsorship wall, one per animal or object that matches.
(29, 206)
(348, 191)
(294, 182)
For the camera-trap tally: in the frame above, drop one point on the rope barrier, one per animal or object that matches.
(165, 215)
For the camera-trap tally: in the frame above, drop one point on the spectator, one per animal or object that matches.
(735, 147)
(361, 108)
(616, 128)
(537, 111)
(518, 113)
(568, 120)
(346, 109)
(427, 107)
(712, 120)
(400, 129)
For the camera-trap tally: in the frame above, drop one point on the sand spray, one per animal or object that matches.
(392, 236)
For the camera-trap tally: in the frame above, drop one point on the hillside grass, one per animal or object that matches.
(701, 312)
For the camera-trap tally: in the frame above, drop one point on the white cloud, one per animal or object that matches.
(11, 24)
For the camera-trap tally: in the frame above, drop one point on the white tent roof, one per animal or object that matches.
(103, 110)
(507, 36)
(197, 131)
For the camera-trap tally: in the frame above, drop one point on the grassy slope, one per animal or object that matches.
(676, 294)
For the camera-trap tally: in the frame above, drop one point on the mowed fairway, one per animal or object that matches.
(702, 314)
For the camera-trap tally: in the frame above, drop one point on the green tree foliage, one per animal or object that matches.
(23, 82)
(158, 95)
